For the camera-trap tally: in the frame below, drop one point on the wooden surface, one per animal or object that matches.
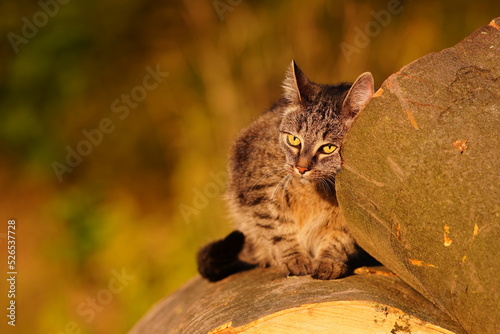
(262, 301)
(420, 187)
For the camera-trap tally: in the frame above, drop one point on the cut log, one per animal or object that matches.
(262, 301)
(420, 186)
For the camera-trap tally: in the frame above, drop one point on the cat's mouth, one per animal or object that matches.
(306, 175)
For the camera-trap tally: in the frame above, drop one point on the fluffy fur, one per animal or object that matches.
(281, 189)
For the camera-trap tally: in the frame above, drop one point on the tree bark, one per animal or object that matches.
(420, 184)
(262, 301)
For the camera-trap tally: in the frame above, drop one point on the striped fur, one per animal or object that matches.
(282, 197)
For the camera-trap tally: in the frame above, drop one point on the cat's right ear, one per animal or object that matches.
(361, 91)
(297, 87)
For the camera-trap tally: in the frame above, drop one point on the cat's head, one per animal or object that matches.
(315, 121)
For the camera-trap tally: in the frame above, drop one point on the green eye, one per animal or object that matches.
(293, 141)
(329, 148)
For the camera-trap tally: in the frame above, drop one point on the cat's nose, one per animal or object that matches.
(302, 170)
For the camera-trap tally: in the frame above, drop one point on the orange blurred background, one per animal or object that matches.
(116, 121)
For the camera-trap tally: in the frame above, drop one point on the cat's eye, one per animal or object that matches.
(293, 141)
(328, 148)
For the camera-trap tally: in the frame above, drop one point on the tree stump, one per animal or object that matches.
(420, 184)
(420, 192)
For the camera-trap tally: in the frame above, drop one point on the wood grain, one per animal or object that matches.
(262, 301)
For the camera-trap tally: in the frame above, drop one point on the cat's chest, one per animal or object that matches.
(309, 206)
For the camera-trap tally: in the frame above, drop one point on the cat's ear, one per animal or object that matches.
(297, 87)
(361, 91)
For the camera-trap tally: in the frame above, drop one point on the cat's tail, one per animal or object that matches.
(219, 259)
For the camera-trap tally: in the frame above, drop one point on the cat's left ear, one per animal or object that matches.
(297, 87)
(361, 91)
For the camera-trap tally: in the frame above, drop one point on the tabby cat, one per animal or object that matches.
(282, 185)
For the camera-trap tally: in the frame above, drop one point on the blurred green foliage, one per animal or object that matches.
(119, 207)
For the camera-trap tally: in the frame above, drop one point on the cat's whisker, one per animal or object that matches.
(331, 183)
(276, 171)
(325, 186)
(347, 186)
(273, 169)
(330, 186)
(289, 179)
(283, 179)
(280, 184)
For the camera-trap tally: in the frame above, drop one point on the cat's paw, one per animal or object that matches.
(329, 269)
(299, 265)
(264, 264)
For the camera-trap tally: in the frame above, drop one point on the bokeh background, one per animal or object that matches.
(148, 192)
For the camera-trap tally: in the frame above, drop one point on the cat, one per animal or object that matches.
(281, 188)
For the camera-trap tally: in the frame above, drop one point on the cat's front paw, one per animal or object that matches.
(298, 265)
(326, 268)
